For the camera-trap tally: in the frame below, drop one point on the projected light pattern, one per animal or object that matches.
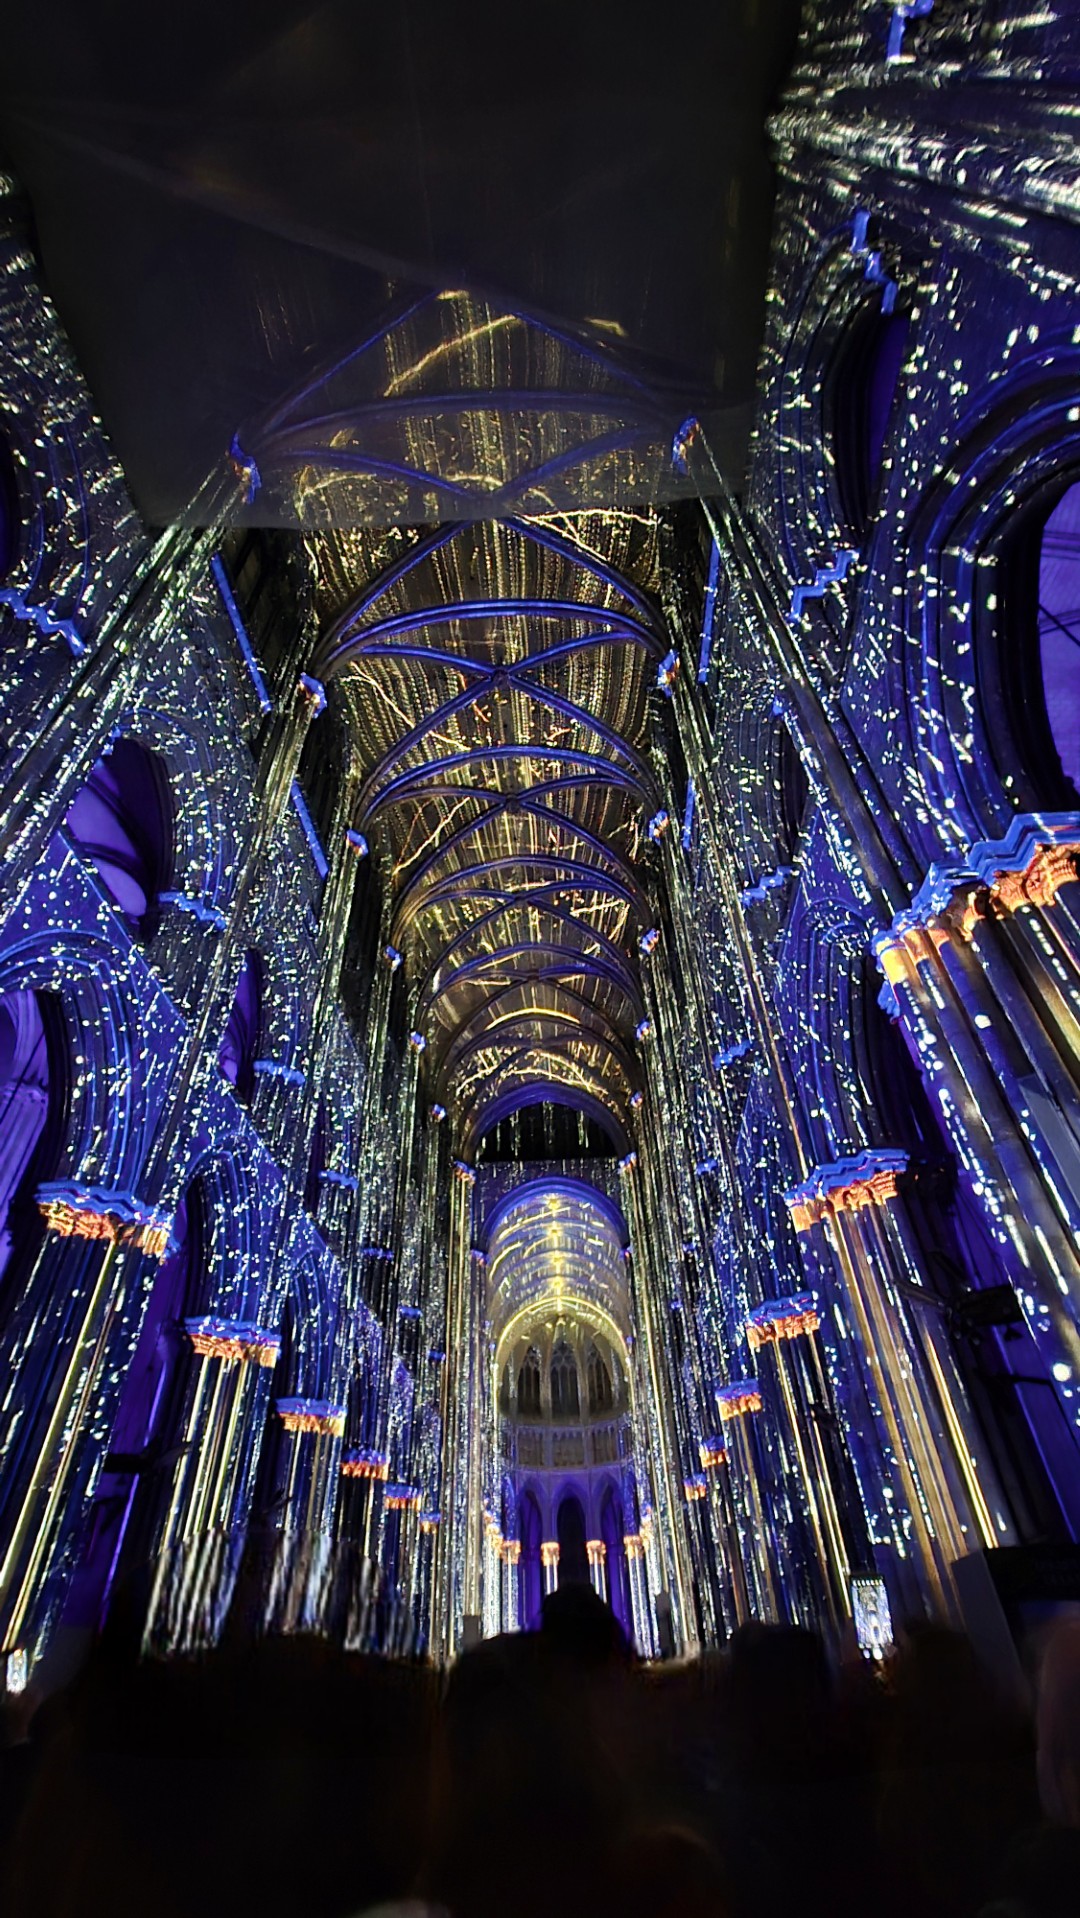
(722, 857)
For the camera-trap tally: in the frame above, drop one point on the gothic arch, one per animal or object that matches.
(845, 295)
(1016, 452)
(109, 1118)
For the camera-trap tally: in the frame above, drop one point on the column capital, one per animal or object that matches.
(76, 1211)
(549, 1552)
(846, 1185)
(361, 1461)
(736, 1400)
(780, 1319)
(233, 1340)
(311, 1415)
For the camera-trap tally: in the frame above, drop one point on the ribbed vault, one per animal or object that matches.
(555, 1246)
(496, 676)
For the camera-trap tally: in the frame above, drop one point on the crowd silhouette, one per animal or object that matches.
(547, 1772)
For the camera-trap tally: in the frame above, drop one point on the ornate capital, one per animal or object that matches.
(712, 1452)
(736, 1400)
(846, 1185)
(596, 1550)
(402, 1498)
(549, 1552)
(782, 1319)
(312, 1415)
(95, 1212)
(234, 1341)
(361, 1462)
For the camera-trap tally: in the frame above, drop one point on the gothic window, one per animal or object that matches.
(1059, 629)
(122, 821)
(529, 1384)
(601, 1397)
(240, 1044)
(9, 511)
(860, 391)
(570, 1531)
(565, 1399)
(1029, 665)
(792, 791)
(33, 1109)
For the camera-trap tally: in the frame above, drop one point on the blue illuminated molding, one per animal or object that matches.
(309, 1408)
(707, 1165)
(667, 673)
(242, 1331)
(245, 468)
(45, 621)
(408, 1494)
(344, 1179)
(98, 1201)
(736, 1051)
(378, 1252)
(206, 915)
(837, 1174)
(1028, 834)
(824, 577)
(775, 1311)
(409, 1312)
(270, 1069)
(875, 273)
(769, 881)
(681, 444)
(437, 1357)
(322, 866)
(688, 815)
(314, 690)
(363, 1455)
(247, 650)
(901, 14)
(708, 614)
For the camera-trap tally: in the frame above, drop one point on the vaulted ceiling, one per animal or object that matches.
(228, 199)
(497, 677)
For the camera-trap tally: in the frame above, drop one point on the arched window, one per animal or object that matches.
(1028, 659)
(33, 1106)
(531, 1583)
(598, 1379)
(860, 391)
(565, 1398)
(316, 1162)
(570, 1531)
(240, 1044)
(9, 511)
(529, 1384)
(122, 821)
(792, 792)
(1059, 630)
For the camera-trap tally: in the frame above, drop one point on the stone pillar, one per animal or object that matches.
(738, 1404)
(597, 1554)
(640, 1609)
(549, 1559)
(66, 1343)
(203, 1533)
(511, 1594)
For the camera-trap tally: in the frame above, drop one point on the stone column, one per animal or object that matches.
(549, 1559)
(597, 1555)
(203, 1533)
